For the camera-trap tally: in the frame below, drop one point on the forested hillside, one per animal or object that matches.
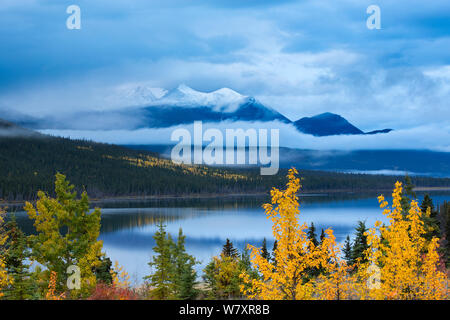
(28, 163)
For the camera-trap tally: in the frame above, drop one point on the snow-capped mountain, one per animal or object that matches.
(134, 95)
(140, 106)
(222, 100)
(184, 105)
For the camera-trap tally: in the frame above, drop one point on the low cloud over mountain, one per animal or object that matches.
(146, 107)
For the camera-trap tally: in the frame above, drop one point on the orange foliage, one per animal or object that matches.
(51, 293)
(112, 292)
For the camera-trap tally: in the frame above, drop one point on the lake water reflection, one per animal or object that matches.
(128, 227)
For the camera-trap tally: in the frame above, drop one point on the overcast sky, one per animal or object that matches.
(299, 57)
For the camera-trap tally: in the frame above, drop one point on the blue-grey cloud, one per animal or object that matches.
(300, 57)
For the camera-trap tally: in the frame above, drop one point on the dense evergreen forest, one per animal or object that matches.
(28, 163)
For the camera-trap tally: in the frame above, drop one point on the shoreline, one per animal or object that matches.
(308, 193)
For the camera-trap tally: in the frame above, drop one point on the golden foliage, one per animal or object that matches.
(147, 161)
(286, 277)
(89, 148)
(335, 283)
(401, 263)
(120, 277)
(408, 264)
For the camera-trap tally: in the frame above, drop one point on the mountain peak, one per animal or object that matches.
(186, 89)
(223, 92)
(326, 124)
(134, 95)
(224, 99)
(228, 92)
(327, 115)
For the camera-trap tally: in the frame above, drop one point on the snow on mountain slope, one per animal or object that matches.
(138, 106)
(184, 105)
(135, 95)
(222, 100)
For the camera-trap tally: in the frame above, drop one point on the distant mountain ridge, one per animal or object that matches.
(327, 124)
(159, 108)
(184, 105)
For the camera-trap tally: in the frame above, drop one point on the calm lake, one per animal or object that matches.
(128, 227)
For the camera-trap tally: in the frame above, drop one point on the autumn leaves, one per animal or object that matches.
(401, 263)
(401, 260)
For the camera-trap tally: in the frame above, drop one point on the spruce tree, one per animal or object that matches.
(427, 202)
(210, 278)
(174, 276)
(312, 235)
(16, 253)
(407, 195)
(229, 250)
(445, 230)
(274, 252)
(103, 271)
(322, 236)
(360, 243)
(184, 274)
(245, 264)
(188, 281)
(409, 187)
(347, 251)
(431, 223)
(264, 252)
(161, 279)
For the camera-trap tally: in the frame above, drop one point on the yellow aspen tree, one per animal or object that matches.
(121, 278)
(334, 283)
(435, 286)
(360, 276)
(294, 255)
(406, 262)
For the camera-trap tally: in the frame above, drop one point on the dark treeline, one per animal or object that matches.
(103, 170)
(28, 164)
